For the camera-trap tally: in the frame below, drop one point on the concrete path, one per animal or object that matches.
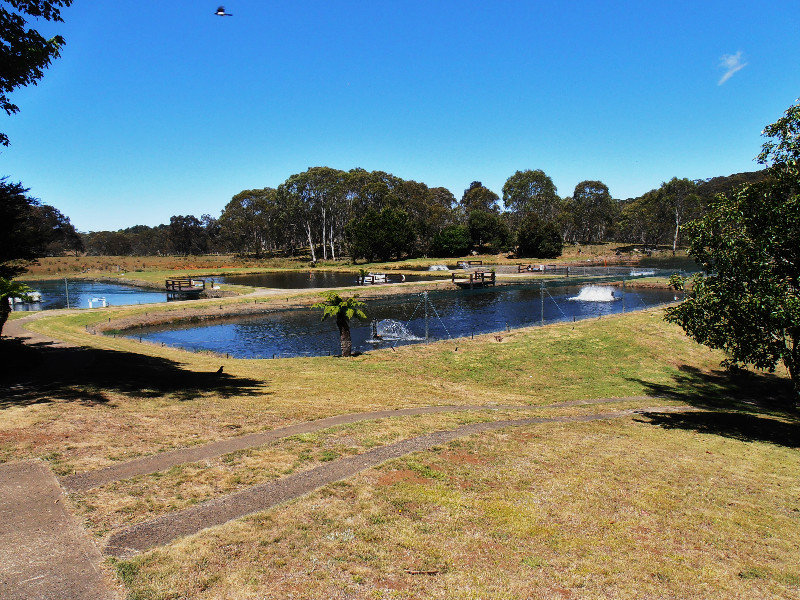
(45, 554)
(165, 460)
(137, 538)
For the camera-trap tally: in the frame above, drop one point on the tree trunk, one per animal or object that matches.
(677, 228)
(792, 362)
(344, 335)
(311, 242)
(324, 243)
(5, 309)
(333, 251)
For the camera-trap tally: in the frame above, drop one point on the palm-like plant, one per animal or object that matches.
(10, 289)
(342, 309)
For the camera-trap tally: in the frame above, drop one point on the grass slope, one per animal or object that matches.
(661, 506)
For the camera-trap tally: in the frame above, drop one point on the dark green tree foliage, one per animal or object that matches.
(708, 188)
(251, 222)
(479, 197)
(591, 211)
(657, 217)
(24, 232)
(488, 231)
(537, 238)
(187, 235)
(748, 244)
(451, 241)
(61, 234)
(316, 201)
(380, 234)
(531, 193)
(24, 53)
(8, 290)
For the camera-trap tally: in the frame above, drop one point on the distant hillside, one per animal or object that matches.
(708, 188)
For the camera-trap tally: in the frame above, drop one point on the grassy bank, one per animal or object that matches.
(667, 506)
(154, 268)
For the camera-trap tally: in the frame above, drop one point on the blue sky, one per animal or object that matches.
(162, 108)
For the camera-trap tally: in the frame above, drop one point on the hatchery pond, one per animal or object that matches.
(405, 319)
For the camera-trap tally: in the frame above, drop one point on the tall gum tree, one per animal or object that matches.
(531, 192)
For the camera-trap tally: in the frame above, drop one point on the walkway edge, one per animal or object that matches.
(45, 553)
(153, 463)
(129, 541)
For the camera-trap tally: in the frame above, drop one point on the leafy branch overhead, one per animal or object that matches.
(24, 52)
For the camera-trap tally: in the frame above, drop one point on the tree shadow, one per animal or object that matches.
(742, 405)
(43, 372)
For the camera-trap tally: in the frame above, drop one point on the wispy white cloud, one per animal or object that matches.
(731, 63)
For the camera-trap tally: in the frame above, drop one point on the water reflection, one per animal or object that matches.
(55, 293)
(451, 314)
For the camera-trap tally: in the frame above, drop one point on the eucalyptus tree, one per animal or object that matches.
(479, 197)
(592, 210)
(318, 198)
(681, 200)
(531, 192)
(250, 222)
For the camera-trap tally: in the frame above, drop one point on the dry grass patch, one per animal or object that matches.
(553, 511)
(129, 501)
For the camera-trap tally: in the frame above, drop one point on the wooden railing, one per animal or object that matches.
(185, 284)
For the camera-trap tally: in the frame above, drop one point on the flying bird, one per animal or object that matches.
(221, 12)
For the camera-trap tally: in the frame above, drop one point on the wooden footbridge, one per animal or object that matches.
(475, 279)
(184, 287)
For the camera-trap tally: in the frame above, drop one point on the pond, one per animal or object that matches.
(304, 279)
(400, 319)
(54, 294)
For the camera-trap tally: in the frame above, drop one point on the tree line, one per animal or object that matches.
(373, 215)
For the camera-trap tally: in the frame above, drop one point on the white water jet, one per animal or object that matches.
(438, 268)
(595, 293)
(389, 330)
(641, 273)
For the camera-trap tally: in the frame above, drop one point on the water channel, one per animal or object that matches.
(400, 319)
(54, 293)
(305, 279)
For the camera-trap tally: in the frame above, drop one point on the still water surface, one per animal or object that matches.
(304, 279)
(451, 314)
(54, 294)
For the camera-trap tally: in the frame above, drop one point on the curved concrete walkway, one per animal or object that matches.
(129, 541)
(165, 460)
(45, 553)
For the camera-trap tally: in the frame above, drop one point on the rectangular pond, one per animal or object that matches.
(305, 279)
(54, 294)
(401, 319)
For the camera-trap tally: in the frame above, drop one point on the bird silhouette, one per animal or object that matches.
(220, 12)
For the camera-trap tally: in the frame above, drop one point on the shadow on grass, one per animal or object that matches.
(36, 373)
(740, 405)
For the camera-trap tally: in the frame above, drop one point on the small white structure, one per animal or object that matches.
(31, 298)
(101, 301)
